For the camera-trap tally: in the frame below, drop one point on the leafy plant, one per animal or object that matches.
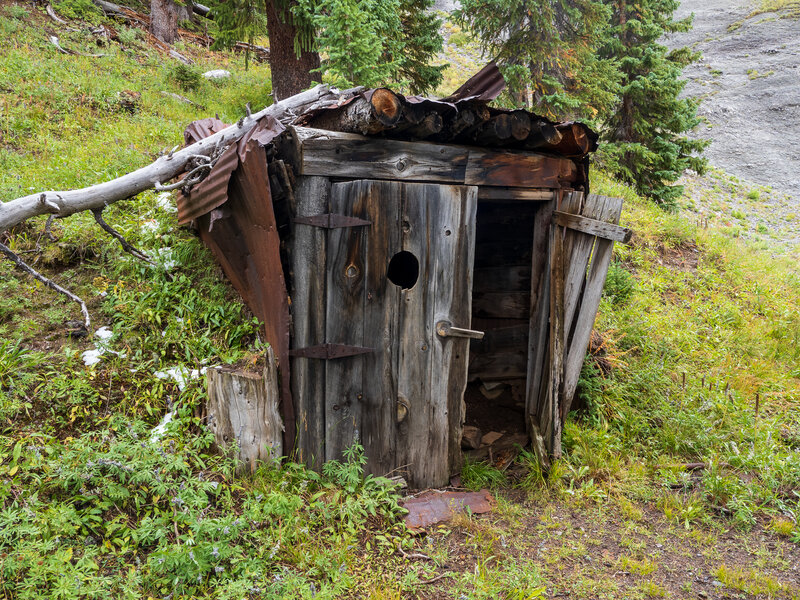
(186, 76)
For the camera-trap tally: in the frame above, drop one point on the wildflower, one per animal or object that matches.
(215, 552)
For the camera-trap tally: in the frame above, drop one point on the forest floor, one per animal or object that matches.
(93, 505)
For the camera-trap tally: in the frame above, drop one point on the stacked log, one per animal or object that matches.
(384, 113)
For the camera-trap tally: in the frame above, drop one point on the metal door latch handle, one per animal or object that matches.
(446, 329)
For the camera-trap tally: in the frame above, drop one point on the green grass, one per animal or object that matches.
(91, 507)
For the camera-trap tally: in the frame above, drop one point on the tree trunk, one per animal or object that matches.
(164, 18)
(291, 74)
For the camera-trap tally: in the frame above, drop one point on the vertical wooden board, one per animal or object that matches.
(416, 330)
(590, 302)
(307, 259)
(455, 254)
(344, 324)
(379, 402)
(538, 324)
(550, 415)
(578, 260)
(438, 228)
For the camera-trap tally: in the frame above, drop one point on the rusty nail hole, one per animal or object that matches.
(335, 407)
(447, 232)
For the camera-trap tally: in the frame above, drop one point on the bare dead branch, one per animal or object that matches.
(98, 216)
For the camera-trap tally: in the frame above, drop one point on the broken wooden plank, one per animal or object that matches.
(590, 302)
(609, 231)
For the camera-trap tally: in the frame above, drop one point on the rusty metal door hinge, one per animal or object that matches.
(331, 221)
(330, 351)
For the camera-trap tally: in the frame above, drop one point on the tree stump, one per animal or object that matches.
(243, 414)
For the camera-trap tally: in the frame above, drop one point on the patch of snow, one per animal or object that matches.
(150, 225)
(164, 201)
(92, 357)
(217, 74)
(181, 375)
(165, 257)
(159, 430)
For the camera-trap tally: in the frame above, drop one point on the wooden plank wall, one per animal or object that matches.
(307, 262)
(501, 290)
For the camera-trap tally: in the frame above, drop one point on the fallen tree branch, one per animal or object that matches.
(23, 266)
(126, 245)
(52, 14)
(166, 168)
(54, 41)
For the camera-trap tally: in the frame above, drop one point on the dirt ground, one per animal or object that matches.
(749, 81)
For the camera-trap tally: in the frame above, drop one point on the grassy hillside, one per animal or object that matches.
(94, 505)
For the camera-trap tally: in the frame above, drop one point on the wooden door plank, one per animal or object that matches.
(590, 302)
(538, 330)
(344, 324)
(307, 257)
(551, 415)
(381, 322)
(455, 256)
(438, 228)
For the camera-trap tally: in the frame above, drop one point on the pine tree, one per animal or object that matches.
(644, 134)
(362, 42)
(547, 47)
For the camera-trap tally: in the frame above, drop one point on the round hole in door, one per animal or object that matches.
(403, 270)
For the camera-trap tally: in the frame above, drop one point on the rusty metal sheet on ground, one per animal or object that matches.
(435, 507)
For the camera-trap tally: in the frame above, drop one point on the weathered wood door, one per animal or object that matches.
(389, 283)
(573, 240)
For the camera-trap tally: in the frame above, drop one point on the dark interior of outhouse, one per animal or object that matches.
(501, 294)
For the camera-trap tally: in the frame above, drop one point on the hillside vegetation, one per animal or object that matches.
(102, 497)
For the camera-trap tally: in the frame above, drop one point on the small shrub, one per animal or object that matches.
(753, 195)
(620, 284)
(17, 12)
(128, 36)
(186, 76)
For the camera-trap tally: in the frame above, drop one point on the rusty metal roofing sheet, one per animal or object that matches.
(485, 85)
(435, 506)
(212, 192)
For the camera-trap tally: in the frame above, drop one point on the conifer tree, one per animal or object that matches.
(362, 42)
(547, 47)
(645, 136)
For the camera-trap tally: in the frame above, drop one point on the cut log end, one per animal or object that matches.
(386, 106)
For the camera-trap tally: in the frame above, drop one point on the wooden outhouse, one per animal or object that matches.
(426, 265)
